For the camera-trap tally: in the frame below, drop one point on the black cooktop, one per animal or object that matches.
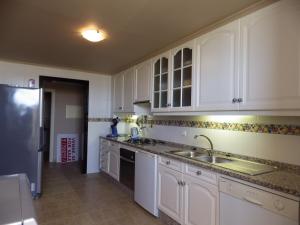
(144, 141)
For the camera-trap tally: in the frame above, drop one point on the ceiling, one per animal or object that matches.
(47, 31)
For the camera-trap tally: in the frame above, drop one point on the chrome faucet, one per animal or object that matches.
(210, 152)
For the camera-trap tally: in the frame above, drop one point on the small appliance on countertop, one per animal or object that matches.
(114, 130)
(134, 132)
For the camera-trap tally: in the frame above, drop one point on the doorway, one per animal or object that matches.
(47, 97)
(65, 118)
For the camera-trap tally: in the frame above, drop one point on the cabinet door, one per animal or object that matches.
(128, 90)
(270, 52)
(201, 202)
(113, 164)
(142, 82)
(118, 92)
(170, 193)
(217, 68)
(161, 86)
(182, 77)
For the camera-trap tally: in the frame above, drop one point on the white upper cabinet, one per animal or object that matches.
(128, 90)
(142, 82)
(124, 91)
(270, 53)
(118, 92)
(182, 77)
(161, 83)
(217, 68)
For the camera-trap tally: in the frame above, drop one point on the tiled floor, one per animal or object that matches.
(72, 198)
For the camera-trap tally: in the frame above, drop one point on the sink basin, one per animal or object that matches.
(214, 159)
(189, 154)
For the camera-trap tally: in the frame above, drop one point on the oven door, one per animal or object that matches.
(127, 164)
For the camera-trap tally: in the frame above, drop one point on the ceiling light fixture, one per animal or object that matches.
(93, 35)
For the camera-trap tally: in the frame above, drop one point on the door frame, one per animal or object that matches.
(52, 125)
(85, 84)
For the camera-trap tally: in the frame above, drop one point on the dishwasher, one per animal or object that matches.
(145, 184)
(241, 204)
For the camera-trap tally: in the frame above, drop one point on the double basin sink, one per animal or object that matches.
(235, 164)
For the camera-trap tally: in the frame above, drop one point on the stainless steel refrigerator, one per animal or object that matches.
(21, 134)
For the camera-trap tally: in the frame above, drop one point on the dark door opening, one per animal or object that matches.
(83, 86)
(47, 124)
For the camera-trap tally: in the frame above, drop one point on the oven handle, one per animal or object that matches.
(126, 160)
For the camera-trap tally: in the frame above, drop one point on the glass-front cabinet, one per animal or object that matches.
(161, 83)
(182, 77)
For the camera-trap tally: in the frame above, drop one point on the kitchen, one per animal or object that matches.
(208, 125)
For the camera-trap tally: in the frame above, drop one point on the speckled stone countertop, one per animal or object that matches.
(285, 179)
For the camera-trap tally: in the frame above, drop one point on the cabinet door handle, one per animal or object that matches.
(240, 100)
(198, 173)
(183, 183)
(234, 100)
(179, 182)
(168, 162)
(168, 104)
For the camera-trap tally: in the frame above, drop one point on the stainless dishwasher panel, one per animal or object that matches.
(244, 205)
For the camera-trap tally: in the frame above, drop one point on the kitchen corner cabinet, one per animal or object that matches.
(217, 69)
(124, 91)
(270, 53)
(142, 82)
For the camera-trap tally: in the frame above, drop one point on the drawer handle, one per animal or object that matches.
(198, 173)
(168, 162)
(253, 201)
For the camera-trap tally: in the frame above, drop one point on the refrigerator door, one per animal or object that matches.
(20, 133)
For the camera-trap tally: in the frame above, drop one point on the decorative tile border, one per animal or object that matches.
(244, 127)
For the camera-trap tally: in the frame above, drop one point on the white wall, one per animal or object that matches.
(99, 97)
(284, 148)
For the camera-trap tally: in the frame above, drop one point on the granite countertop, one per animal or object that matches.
(285, 180)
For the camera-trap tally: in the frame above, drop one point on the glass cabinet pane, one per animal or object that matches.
(177, 79)
(157, 67)
(187, 76)
(187, 56)
(156, 83)
(156, 100)
(164, 82)
(164, 65)
(176, 97)
(163, 99)
(186, 96)
(177, 60)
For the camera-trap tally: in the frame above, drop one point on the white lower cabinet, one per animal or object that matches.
(186, 199)
(110, 158)
(114, 164)
(201, 202)
(170, 192)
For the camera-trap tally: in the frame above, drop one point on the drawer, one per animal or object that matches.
(114, 145)
(202, 174)
(171, 163)
(105, 142)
